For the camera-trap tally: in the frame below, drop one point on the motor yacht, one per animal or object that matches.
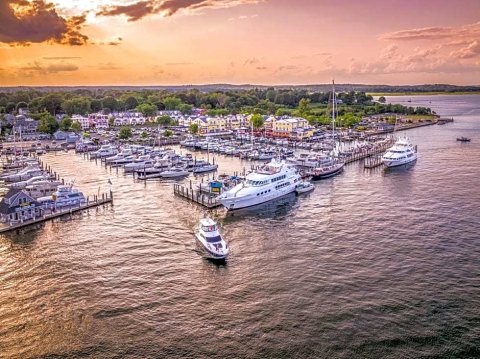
(174, 172)
(401, 153)
(209, 240)
(64, 196)
(273, 180)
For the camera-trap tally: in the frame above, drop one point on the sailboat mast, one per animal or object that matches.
(334, 100)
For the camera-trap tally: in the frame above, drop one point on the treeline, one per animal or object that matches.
(262, 101)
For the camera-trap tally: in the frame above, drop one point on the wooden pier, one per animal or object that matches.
(196, 196)
(378, 148)
(97, 201)
(373, 161)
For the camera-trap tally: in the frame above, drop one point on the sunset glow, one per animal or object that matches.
(161, 42)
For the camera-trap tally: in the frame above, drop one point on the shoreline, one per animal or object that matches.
(434, 93)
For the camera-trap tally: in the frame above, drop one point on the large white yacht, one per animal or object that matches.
(401, 153)
(273, 180)
(65, 196)
(210, 241)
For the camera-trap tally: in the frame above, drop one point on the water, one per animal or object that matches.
(377, 264)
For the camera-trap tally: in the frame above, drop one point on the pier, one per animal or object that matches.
(373, 161)
(106, 198)
(378, 148)
(196, 196)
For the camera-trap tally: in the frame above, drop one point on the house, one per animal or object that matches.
(290, 127)
(18, 206)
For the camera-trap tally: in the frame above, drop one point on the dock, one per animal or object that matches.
(106, 198)
(372, 162)
(196, 196)
(379, 148)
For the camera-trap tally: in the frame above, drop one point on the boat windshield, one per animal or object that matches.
(213, 239)
(209, 228)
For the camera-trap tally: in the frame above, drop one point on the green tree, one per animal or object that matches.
(164, 120)
(77, 105)
(257, 121)
(131, 103)
(144, 135)
(147, 109)
(47, 123)
(382, 99)
(186, 109)
(193, 128)
(76, 127)
(21, 105)
(110, 103)
(172, 103)
(303, 106)
(167, 133)
(65, 123)
(125, 133)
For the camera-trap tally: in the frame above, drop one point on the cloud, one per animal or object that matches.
(109, 66)
(179, 63)
(470, 51)
(61, 57)
(38, 67)
(114, 42)
(140, 9)
(251, 61)
(261, 68)
(23, 22)
(435, 33)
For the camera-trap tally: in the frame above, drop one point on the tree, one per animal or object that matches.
(131, 103)
(52, 103)
(65, 123)
(382, 99)
(186, 109)
(10, 107)
(147, 109)
(167, 133)
(164, 120)
(193, 128)
(111, 121)
(110, 103)
(21, 105)
(171, 103)
(76, 127)
(125, 133)
(47, 123)
(144, 135)
(77, 105)
(257, 121)
(303, 106)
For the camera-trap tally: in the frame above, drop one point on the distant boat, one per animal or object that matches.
(463, 139)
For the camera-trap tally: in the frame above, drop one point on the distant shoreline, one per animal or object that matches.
(433, 93)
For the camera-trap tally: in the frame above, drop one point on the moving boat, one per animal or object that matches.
(463, 139)
(273, 180)
(64, 196)
(401, 153)
(210, 241)
(304, 187)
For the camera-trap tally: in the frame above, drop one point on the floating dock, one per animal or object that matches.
(196, 196)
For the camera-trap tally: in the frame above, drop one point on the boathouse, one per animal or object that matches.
(18, 206)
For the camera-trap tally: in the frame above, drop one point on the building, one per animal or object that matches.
(294, 128)
(18, 206)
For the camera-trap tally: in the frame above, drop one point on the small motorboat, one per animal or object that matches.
(210, 241)
(463, 139)
(174, 172)
(304, 187)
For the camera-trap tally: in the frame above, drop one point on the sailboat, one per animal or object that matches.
(333, 166)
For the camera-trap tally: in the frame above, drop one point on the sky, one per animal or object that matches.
(270, 42)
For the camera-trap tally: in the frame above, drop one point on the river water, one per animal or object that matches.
(373, 263)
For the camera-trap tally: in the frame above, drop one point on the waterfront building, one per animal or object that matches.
(18, 206)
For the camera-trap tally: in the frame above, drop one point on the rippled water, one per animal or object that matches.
(377, 264)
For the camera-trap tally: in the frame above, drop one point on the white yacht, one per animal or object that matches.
(207, 167)
(174, 172)
(104, 151)
(139, 163)
(273, 180)
(401, 153)
(210, 241)
(24, 174)
(42, 188)
(23, 184)
(64, 196)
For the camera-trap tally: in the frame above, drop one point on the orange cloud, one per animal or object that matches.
(23, 22)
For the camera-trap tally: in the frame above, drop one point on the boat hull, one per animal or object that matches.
(326, 175)
(392, 164)
(234, 203)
